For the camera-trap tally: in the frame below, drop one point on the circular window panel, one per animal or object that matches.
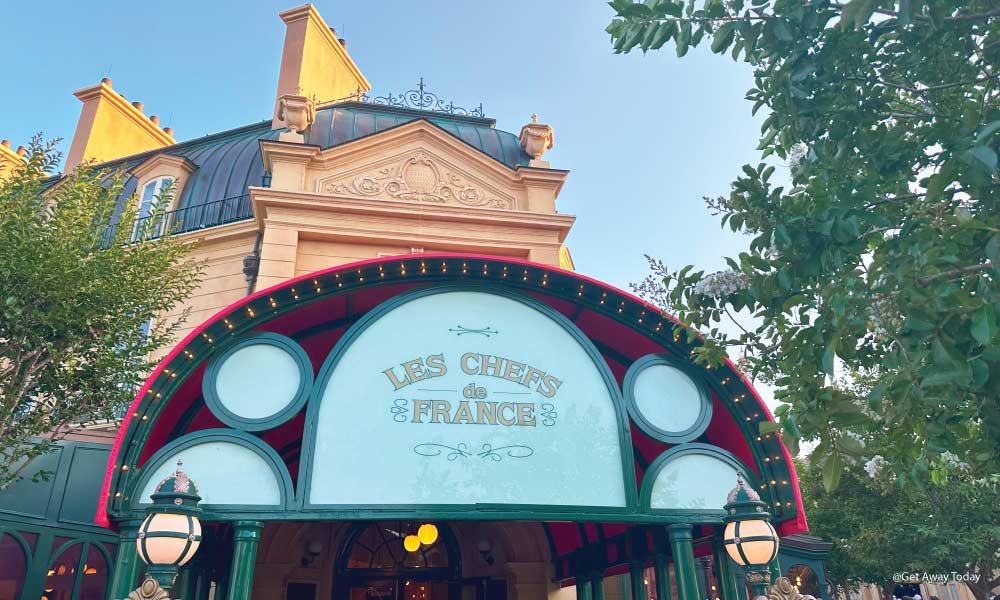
(259, 382)
(667, 399)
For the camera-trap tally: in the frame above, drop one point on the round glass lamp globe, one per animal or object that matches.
(168, 539)
(411, 543)
(428, 533)
(758, 552)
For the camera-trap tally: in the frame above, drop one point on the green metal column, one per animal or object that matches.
(246, 534)
(741, 583)
(637, 581)
(661, 570)
(681, 543)
(597, 587)
(125, 576)
(724, 572)
(583, 588)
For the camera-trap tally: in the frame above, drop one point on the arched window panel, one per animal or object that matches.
(230, 468)
(94, 575)
(61, 577)
(691, 477)
(379, 547)
(13, 566)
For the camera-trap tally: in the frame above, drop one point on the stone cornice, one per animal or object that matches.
(301, 154)
(263, 198)
(103, 91)
(308, 11)
(357, 149)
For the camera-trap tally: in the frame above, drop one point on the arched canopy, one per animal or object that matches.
(623, 348)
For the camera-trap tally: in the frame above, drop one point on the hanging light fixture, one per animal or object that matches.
(411, 543)
(171, 532)
(749, 538)
(428, 533)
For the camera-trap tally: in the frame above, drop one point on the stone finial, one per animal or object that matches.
(298, 113)
(535, 139)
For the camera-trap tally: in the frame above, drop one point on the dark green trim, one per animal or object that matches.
(232, 436)
(419, 511)
(125, 571)
(649, 479)
(246, 536)
(682, 549)
(661, 571)
(650, 428)
(209, 388)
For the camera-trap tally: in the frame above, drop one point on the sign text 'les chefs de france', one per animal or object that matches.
(476, 408)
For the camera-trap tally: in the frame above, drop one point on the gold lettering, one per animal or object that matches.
(463, 415)
(420, 408)
(504, 420)
(512, 371)
(415, 370)
(436, 366)
(526, 414)
(439, 411)
(486, 413)
(396, 384)
(531, 377)
(465, 363)
(490, 363)
(549, 386)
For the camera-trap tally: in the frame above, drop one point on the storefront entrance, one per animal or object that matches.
(376, 565)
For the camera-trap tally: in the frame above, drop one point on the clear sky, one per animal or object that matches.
(645, 137)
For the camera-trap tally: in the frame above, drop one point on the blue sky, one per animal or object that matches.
(645, 137)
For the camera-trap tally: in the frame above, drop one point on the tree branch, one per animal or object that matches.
(926, 281)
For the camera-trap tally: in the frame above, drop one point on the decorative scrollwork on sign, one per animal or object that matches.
(461, 450)
(431, 449)
(399, 410)
(549, 414)
(485, 332)
(512, 451)
(418, 178)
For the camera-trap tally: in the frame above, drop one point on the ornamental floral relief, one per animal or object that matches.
(418, 178)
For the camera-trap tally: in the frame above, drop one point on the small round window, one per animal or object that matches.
(259, 382)
(667, 399)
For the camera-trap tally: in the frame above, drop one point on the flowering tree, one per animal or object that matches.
(879, 258)
(75, 302)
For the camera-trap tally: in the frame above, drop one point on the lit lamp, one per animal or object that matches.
(171, 532)
(749, 539)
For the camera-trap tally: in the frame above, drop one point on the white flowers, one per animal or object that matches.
(722, 283)
(856, 437)
(874, 466)
(796, 155)
(951, 459)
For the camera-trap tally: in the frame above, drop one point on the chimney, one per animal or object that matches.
(110, 127)
(10, 159)
(314, 63)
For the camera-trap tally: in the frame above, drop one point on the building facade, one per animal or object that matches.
(390, 333)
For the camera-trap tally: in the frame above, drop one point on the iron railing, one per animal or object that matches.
(190, 218)
(417, 99)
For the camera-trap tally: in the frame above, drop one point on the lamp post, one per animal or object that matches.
(170, 534)
(749, 538)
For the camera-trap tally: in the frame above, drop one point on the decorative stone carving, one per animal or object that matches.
(297, 112)
(784, 590)
(418, 178)
(536, 138)
(149, 589)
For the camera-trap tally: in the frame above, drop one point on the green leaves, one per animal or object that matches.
(984, 324)
(833, 469)
(77, 299)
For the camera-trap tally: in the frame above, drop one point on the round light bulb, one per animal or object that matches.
(428, 533)
(411, 543)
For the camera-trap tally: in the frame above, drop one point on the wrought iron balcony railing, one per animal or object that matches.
(191, 218)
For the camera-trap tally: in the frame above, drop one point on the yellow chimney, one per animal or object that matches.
(10, 159)
(110, 127)
(314, 63)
